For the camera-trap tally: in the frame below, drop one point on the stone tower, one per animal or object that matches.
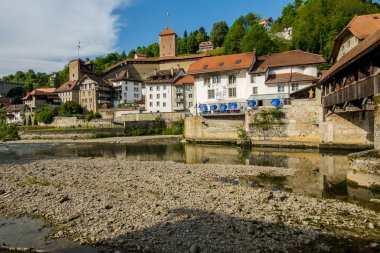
(168, 43)
(74, 70)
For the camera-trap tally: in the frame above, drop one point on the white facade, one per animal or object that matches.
(127, 92)
(158, 97)
(223, 88)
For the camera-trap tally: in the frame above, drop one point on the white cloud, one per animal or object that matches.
(43, 34)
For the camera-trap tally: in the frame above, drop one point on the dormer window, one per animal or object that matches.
(238, 62)
(221, 64)
(205, 67)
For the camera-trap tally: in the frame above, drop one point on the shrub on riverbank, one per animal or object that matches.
(8, 131)
(90, 117)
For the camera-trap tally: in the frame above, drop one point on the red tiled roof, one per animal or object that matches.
(124, 75)
(290, 77)
(222, 62)
(365, 47)
(167, 31)
(68, 86)
(41, 91)
(95, 78)
(289, 58)
(186, 79)
(360, 26)
(265, 20)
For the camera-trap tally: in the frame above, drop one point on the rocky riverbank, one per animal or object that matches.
(171, 207)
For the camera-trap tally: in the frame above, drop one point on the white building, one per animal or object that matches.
(222, 83)
(127, 89)
(277, 76)
(15, 113)
(159, 91)
(286, 34)
(267, 23)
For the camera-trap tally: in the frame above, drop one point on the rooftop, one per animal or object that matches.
(289, 58)
(68, 86)
(222, 63)
(290, 77)
(186, 79)
(167, 31)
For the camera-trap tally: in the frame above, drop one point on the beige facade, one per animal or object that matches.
(348, 43)
(94, 93)
(71, 95)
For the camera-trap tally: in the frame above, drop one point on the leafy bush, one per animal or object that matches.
(241, 133)
(265, 120)
(8, 131)
(69, 109)
(177, 128)
(90, 117)
(45, 114)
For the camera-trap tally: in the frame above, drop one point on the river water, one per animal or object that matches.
(319, 174)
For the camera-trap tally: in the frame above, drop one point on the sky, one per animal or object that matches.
(43, 35)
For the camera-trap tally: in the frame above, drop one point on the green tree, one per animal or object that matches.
(153, 50)
(232, 43)
(69, 109)
(257, 38)
(218, 33)
(45, 114)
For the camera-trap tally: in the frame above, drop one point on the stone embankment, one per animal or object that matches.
(132, 206)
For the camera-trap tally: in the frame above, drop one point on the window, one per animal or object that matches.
(164, 95)
(136, 95)
(151, 88)
(190, 104)
(164, 88)
(294, 86)
(190, 95)
(238, 62)
(164, 104)
(179, 90)
(281, 87)
(232, 92)
(206, 80)
(158, 88)
(205, 66)
(254, 90)
(151, 104)
(136, 89)
(151, 96)
(126, 88)
(158, 96)
(253, 79)
(221, 64)
(136, 84)
(211, 94)
(190, 87)
(216, 79)
(158, 103)
(232, 79)
(125, 94)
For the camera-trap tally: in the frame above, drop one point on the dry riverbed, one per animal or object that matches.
(132, 206)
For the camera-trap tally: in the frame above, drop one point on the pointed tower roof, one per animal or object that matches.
(167, 31)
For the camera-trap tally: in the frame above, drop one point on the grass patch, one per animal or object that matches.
(33, 181)
(155, 193)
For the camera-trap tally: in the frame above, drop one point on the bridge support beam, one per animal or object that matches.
(376, 115)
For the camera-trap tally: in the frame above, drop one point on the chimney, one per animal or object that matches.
(127, 74)
(172, 71)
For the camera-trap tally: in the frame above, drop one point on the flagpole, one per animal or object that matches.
(78, 48)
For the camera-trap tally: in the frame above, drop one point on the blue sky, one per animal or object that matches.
(43, 35)
(143, 20)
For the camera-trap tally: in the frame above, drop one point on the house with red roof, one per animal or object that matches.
(39, 97)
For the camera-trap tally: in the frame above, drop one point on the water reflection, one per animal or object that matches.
(321, 175)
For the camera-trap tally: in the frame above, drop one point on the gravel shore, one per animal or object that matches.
(132, 206)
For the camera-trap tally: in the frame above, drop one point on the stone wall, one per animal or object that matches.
(75, 122)
(168, 117)
(222, 128)
(347, 129)
(300, 123)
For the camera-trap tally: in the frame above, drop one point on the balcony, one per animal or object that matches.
(178, 108)
(178, 100)
(356, 91)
